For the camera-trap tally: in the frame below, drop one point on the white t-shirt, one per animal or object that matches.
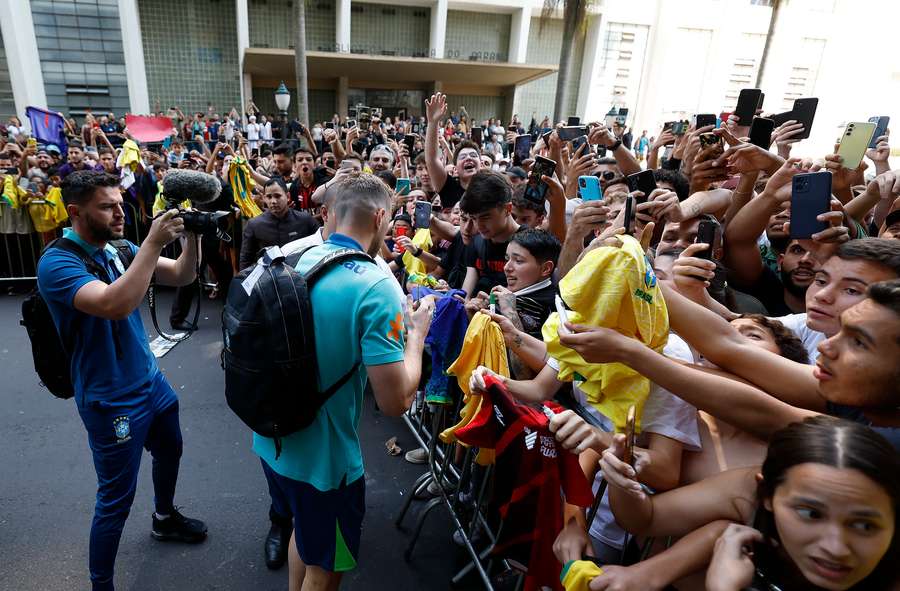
(664, 414)
(811, 338)
(265, 131)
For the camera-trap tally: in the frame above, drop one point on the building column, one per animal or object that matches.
(438, 35)
(342, 26)
(22, 55)
(242, 28)
(509, 102)
(588, 106)
(130, 24)
(518, 35)
(341, 97)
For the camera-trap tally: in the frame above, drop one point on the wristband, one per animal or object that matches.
(418, 253)
(615, 146)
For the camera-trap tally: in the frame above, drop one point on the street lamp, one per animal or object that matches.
(283, 101)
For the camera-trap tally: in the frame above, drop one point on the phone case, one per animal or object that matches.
(854, 142)
(521, 149)
(704, 120)
(761, 132)
(569, 133)
(630, 212)
(804, 112)
(578, 142)
(423, 214)
(643, 181)
(710, 232)
(810, 197)
(881, 124)
(589, 188)
(747, 103)
(403, 186)
(536, 189)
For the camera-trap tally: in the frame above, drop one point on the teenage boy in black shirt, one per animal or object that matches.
(488, 199)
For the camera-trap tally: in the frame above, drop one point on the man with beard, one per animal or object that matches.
(466, 157)
(75, 161)
(283, 158)
(125, 402)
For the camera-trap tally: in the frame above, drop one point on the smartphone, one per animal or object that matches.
(536, 189)
(748, 102)
(545, 137)
(521, 149)
(410, 140)
(563, 314)
(710, 232)
(573, 121)
(854, 142)
(667, 126)
(577, 143)
(810, 197)
(704, 120)
(401, 231)
(709, 139)
(630, 213)
(680, 127)
(630, 421)
(589, 188)
(761, 132)
(804, 112)
(329, 125)
(622, 116)
(570, 132)
(644, 182)
(422, 214)
(476, 135)
(351, 123)
(403, 186)
(881, 125)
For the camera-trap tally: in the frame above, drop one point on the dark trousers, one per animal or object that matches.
(118, 432)
(280, 508)
(212, 256)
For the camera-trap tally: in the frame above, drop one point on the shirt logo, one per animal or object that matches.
(396, 327)
(530, 438)
(122, 428)
(649, 275)
(548, 446)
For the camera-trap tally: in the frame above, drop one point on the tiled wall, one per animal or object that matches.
(477, 36)
(479, 108)
(7, 103)
(321, 103)
(383, 29)
(271, 24)
(190, 52)
(80, 49)
(538, 97)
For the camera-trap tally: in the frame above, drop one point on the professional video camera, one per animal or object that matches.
(200, 189)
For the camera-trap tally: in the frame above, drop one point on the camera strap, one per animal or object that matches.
(151, 303)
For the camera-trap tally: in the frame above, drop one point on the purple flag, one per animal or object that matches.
(47, 127)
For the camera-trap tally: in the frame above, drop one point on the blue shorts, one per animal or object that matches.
(327, 524)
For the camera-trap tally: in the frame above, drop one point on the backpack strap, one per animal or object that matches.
(332, 258)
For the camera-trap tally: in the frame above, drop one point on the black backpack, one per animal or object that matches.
(47, 347)
(269, 349)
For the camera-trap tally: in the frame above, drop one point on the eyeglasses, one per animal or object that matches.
(606, 175)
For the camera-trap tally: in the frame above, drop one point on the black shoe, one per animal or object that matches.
(184, 325)
(276, 546)
(178, 528)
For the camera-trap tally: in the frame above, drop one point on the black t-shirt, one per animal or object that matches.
(451, 192)
(855, 414)
(488, 258)
(769, 290)
(534, 308)
(453, 262)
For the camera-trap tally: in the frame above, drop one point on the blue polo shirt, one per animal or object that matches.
(98, 373)
(357, 317)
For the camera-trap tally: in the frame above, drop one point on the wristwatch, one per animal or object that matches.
(418, 253)
(615, 146)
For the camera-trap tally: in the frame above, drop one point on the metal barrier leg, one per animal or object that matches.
(419, 525)
(421, 483)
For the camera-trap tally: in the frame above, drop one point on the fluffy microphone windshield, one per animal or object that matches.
(199, 187)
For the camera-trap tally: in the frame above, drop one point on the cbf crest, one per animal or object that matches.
(122, 427)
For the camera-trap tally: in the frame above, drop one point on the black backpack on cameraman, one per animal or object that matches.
(47, 347)
(269, 348)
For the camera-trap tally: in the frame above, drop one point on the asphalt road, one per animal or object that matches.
(47, 488)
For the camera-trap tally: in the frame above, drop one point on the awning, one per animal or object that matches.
(269, 66)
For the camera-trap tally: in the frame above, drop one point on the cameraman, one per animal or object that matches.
(124, 400)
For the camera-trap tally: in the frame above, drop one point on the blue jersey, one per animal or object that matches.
(99, 372)
(357, 318)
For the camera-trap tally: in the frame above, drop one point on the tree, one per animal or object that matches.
(300, 62)
(574, 29)
(773, 19)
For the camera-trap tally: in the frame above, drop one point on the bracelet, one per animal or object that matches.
(418, 253)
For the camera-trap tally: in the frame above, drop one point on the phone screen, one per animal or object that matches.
(402, 187)
(522, 149)
(569, 133)
(536, 189)
(476, 135)
(644, 182)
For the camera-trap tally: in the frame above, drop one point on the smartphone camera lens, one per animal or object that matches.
(581, 183)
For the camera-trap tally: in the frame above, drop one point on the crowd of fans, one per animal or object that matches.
(763, 368)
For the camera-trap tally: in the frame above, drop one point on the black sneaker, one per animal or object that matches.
(178, 528)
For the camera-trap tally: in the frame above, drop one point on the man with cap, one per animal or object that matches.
(516, 176)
